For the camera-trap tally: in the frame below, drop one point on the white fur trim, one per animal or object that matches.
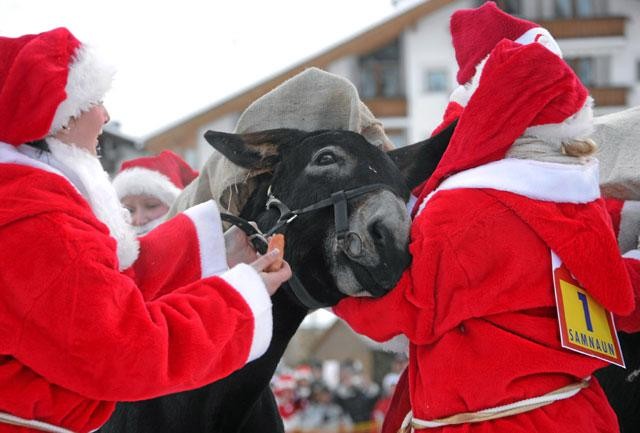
(88, 81)
(462, 94)
(143, 181)
(85, 171)
(10, 154)
(541, 36)
(206, 218)
(580, 125)
(632, 254)
(545, 181)
(629, 226)
(249, 285)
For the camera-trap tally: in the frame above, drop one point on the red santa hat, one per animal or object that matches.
(475, 32)
(162, 176)
(523, 89)
(282, 383)
(303, 372)
(45, 80)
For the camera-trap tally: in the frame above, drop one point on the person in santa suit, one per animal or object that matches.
(515, 188)
(475, 32)
(148, 186)
(89, 314)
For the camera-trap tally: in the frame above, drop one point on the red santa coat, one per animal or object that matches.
(77, 335)
(477, 303)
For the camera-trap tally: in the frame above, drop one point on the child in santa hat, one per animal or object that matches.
(148, 186)
(514, 192)
(89, 315)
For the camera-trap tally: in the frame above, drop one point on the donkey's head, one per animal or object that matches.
(368, 253)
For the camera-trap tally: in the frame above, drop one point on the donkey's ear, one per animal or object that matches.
(418, 161)
(256, 150)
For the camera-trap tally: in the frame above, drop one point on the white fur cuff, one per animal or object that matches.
(249, 285)
(213, 254)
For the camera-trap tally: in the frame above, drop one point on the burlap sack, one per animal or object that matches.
(311, 100)
(618, 139)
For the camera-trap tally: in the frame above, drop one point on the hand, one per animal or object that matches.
(274, 279)
(238, 246)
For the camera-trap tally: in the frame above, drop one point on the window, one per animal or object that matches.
(435, 80)
(580, 8)
(513, 7)
(380, 74)
(592, 71)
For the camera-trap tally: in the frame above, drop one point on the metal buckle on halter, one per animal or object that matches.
(258, 236)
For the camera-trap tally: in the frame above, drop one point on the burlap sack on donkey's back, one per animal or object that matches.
(310, 101)
(618, 139)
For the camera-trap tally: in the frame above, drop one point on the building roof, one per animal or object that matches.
(183, 134)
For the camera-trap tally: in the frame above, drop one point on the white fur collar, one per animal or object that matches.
(544, 181)
(85, 173)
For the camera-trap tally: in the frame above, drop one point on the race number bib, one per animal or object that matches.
(585, 326)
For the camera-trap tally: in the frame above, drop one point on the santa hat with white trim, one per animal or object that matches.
(162, 176)
(45, 80)
(475, 32)
(523, 89)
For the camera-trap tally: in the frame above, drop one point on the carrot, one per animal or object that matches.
(276, 241)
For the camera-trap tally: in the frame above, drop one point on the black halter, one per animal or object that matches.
(339, 201)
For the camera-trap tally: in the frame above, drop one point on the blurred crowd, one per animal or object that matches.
(310, 401)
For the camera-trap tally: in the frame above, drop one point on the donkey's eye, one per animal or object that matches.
(325, 158)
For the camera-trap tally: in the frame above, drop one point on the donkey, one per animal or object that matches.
(304, 168)
(623, 386)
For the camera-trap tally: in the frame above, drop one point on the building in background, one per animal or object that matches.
(116, 147)
(404, 67)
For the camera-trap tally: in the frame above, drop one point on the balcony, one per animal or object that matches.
(609, 96)
(387, 107)
(585, 27)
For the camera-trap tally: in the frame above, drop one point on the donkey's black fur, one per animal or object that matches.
(622, 386)
(243, 402)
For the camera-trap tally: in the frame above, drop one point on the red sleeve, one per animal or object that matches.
(411, 307)
(83, 325)
(184, 249)
(631, 323)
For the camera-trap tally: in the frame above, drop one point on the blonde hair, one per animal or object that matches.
(579, 147)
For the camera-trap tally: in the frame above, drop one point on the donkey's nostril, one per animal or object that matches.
(378, 231)
(354, 245)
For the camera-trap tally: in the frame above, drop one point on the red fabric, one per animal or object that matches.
(77, 335)
(33, 72)
(399, 406)
(478, 307)
(166, 163)
(631, 322)
(614, 207)
(511, 97)
(475, 32)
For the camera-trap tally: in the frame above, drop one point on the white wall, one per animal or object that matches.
(624, 64)
(204, 150)
(428, 46)
(346, 67)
